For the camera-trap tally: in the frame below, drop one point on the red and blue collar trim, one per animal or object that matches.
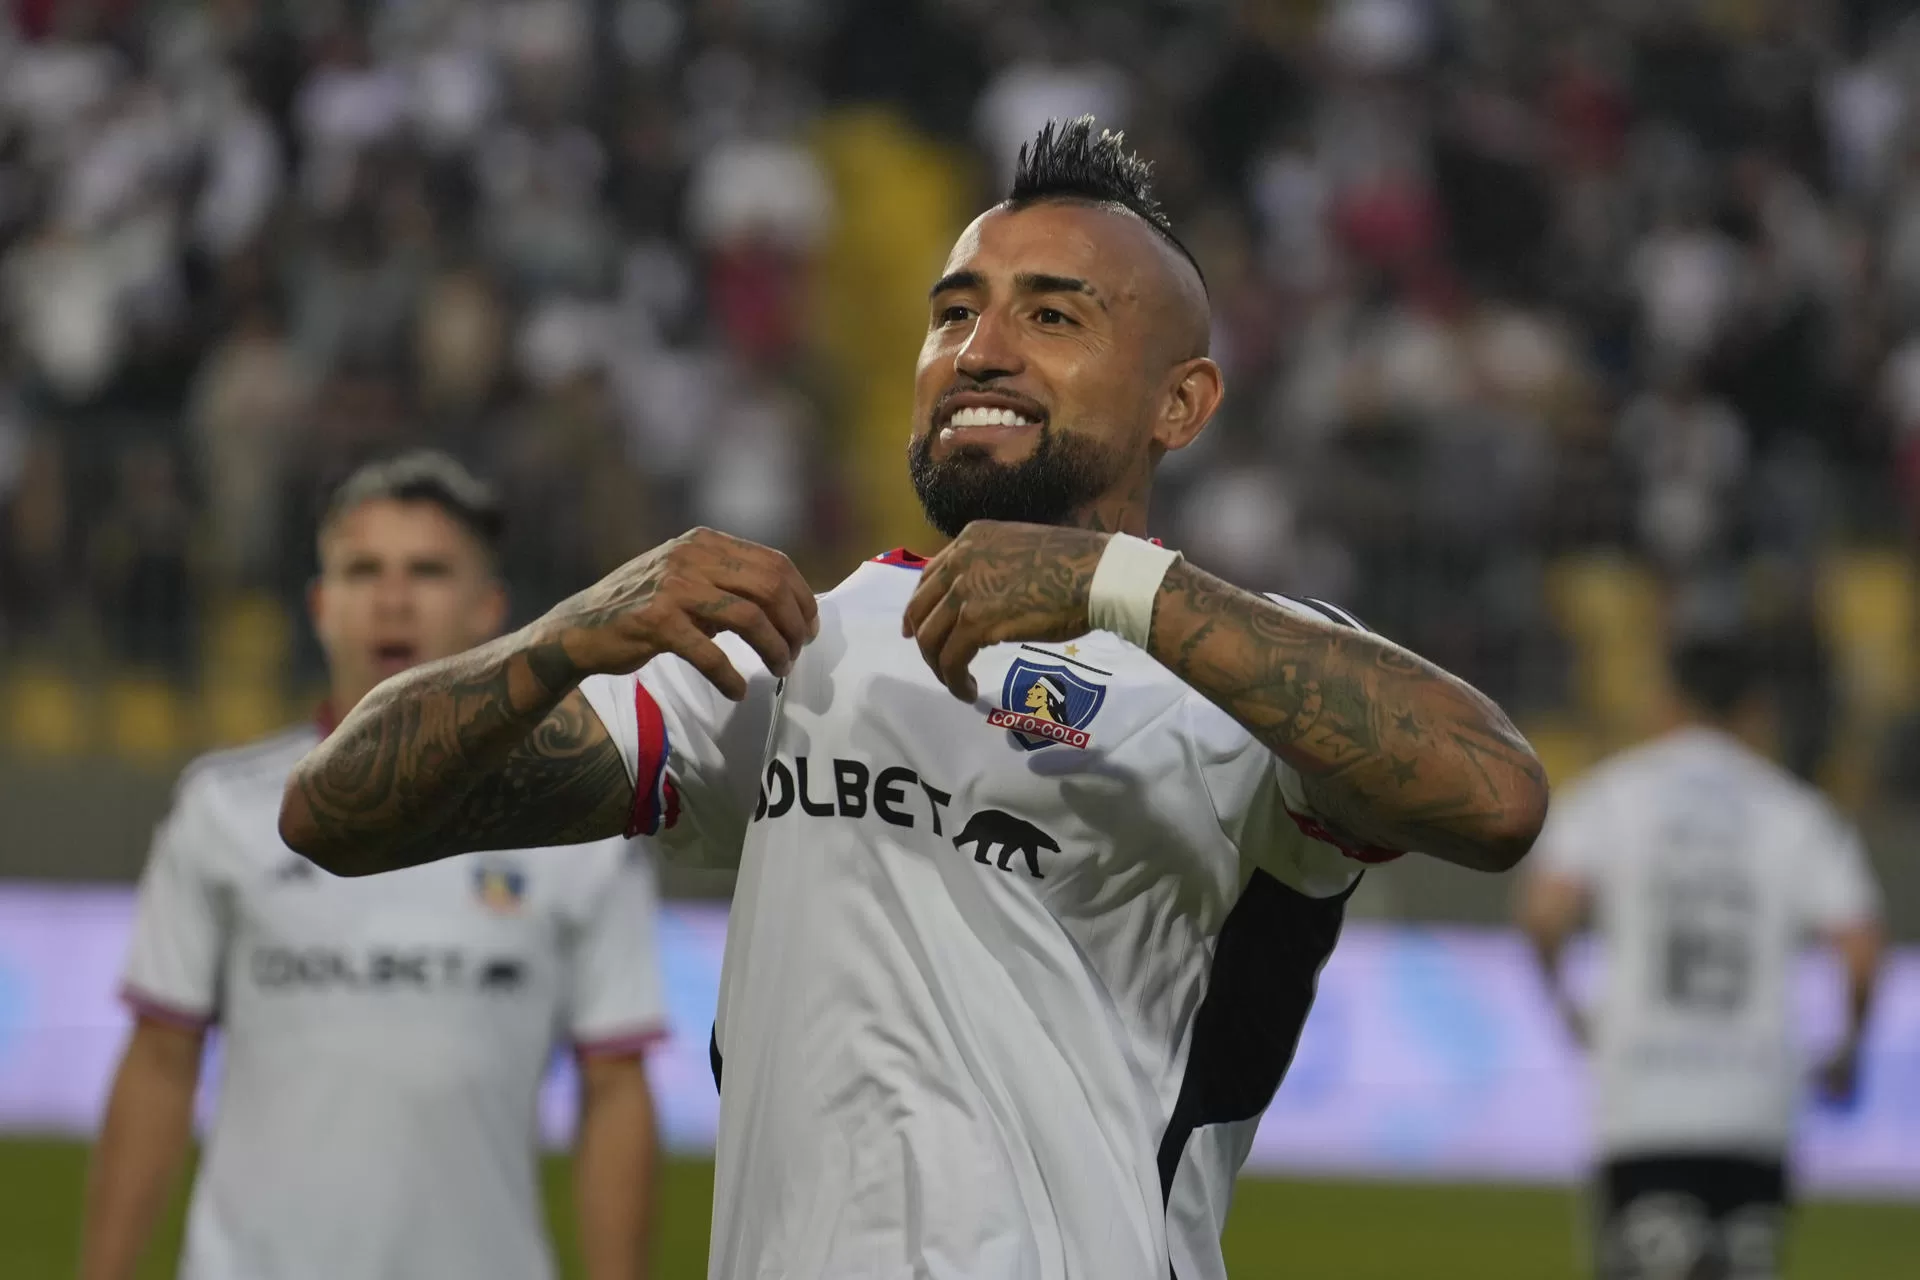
(902, 558)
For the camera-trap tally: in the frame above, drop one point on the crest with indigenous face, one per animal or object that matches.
(1044, 703)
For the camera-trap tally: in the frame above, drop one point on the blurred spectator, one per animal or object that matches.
(1687, 275)
(1493, 284)
(758, 208)
(1899, 394)
(925, 58)
(36, 572)
(141, 562)
(459, 343)
(347, 104)
(246, 403)
(1042, 77)
(756, 462)
(1902, 264)
(1690, 454)
(1242, 523)
(1865, 109)
(540, 223)
(577, 508)
(243, 172)
(354, 284)
(646, 173)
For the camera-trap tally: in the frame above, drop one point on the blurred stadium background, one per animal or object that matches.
(1548, 326)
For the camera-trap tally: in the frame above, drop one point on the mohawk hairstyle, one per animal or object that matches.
(1068, 161)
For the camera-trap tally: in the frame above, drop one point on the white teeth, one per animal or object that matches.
(986, 417)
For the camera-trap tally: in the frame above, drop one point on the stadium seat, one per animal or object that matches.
(1609, 609)
(46, 712)
(900, 199)
(249, 634)
(241, 711)
(1870, 605)
(243, 680)
(146, 721)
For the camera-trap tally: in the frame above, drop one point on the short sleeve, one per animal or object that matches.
(694, 755)
(180, 928)
(614, 998)
(1281, 837)
(1835, 884)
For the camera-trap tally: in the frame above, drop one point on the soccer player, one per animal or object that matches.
(1004, 994)
(383, 1042)
(1706, 865)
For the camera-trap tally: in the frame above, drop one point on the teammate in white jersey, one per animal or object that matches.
(1707, 867)
(383, 1043)
(1041, 843)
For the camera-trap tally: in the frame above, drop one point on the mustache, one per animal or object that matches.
(1025, 404)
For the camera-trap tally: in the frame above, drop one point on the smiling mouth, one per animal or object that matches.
(978, 426)
(989, 417)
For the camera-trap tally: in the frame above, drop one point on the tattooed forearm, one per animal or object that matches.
(492, 749)
(496, 748)
(1394, 751)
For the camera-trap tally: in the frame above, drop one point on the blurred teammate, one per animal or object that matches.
(1045, 839)
(383, 1042)
(1706, 866)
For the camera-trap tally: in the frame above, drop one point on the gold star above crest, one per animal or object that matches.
(1073, 651)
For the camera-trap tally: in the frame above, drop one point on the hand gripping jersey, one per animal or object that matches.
(1007, 985)
(383, 1039)
(1708, 865)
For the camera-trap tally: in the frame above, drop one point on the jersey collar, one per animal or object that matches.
(902, 558)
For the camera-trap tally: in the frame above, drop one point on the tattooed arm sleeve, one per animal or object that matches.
(1393, 751)
(492, 749)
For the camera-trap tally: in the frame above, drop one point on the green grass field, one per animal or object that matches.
(1284, 1230)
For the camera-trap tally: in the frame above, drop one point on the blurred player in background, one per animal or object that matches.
(383, 1042)
(1706, 866)
(1045, 839)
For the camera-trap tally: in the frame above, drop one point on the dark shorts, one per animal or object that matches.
(1691, 1217)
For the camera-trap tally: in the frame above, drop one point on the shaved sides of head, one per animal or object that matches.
(1071, 162)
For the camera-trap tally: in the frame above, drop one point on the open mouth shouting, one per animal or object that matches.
(394, 656)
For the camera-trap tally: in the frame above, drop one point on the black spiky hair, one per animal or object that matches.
(1069, 161)
(1716, 671)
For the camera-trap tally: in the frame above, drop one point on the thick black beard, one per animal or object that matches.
(1064, 474)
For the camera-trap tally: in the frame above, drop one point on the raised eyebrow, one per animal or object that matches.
(952, 281)
(1041, 282)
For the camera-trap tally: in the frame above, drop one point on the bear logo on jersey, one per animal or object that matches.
(295, 870)
(1043, 703)
(502, 974)
(992, 828)
(500, 887)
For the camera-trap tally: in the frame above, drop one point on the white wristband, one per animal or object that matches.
(1125, 583)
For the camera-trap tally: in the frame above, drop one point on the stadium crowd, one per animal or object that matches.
(1497, 283)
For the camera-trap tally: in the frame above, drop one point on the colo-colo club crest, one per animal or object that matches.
(1044, 703)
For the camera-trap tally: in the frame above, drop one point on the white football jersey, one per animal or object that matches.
(383, 1039)
(1708, 865)
(1007, 985)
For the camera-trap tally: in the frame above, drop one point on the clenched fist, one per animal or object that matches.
(677, 597)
